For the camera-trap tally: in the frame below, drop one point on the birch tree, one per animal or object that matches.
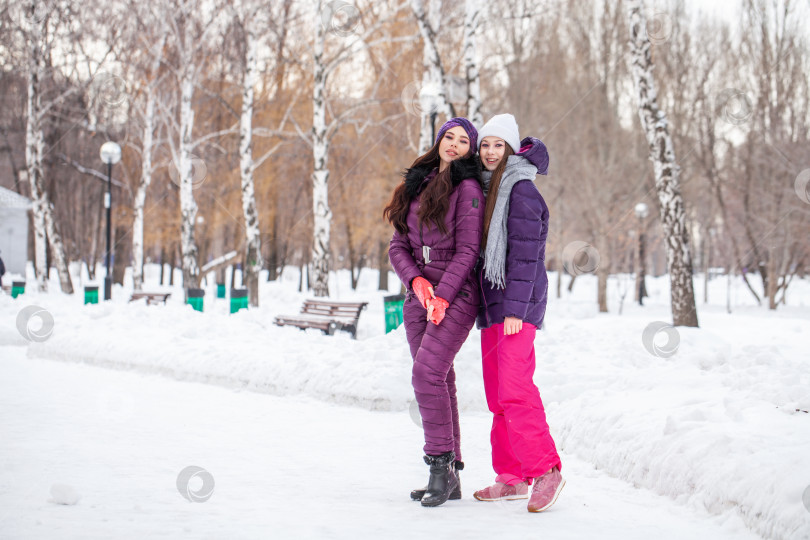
(35, 141)
(667, 182)
(352, 43)
(251, 18)
(188, 75)
(472, 12)
(35, 29)
(253, 253)
(434, 79)
(148, 113)
(190, 32)
(322, 215)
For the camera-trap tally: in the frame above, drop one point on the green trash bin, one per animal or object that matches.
(91, 294)
(239, 299)
(17, 288)
(393, 311)
(220, 290)
(195, 298)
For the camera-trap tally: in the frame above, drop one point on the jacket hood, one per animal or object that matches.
(535, 152)
(460, 170)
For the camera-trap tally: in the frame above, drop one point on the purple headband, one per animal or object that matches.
(465, 124)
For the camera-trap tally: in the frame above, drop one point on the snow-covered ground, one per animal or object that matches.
(281, 468)
(718, 429)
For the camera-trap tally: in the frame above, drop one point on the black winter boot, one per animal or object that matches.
(417, 494)
(442, 481)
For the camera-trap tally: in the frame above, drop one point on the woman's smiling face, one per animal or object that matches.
(455, 144)
(492, 150)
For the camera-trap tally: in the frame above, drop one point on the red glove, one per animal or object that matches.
(423, 290)
(436, 309)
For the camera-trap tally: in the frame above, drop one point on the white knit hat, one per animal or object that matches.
(504, 127)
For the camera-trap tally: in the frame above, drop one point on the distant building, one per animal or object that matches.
(14, 230)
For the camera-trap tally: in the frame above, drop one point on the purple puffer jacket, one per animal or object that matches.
(526, 288)
(452, 256)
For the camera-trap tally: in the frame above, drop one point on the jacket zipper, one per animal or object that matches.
(483, 296)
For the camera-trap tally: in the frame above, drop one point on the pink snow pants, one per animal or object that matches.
(522, 447)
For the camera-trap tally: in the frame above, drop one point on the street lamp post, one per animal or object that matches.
(641, 290)
(110, 154)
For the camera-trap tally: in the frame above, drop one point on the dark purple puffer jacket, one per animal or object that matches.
(526, 290)
(453, 255)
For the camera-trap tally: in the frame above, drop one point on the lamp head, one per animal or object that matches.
(429, 97)
(110, 153)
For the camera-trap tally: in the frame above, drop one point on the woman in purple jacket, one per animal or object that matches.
(514, 289)
(437, 214)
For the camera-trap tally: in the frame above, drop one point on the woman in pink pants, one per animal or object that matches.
(514, 289)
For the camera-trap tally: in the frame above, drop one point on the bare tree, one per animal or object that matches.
(152, 34)
(776, 117)
(353, 42)
(673, 216)
(472, 13)
(190, 28)
(42, 23)
(434, 76)
(250, 23)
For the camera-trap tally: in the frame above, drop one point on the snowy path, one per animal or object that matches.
(283, 467)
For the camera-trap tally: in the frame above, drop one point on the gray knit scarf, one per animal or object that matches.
(517, 168)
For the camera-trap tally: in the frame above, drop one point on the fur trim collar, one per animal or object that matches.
(460, 170)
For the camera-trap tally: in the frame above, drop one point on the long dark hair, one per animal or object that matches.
(435, 199)
(492, 194)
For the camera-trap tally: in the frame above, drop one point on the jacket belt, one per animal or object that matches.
(428, 254)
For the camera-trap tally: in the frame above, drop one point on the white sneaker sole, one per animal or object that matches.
(553, 499)
(506, 498)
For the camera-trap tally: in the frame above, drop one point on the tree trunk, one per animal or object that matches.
(558, 263)
(322, 215)
(253, 254)
(162, 264)
(34, 149)
(636, 269)
(667, 183)
(433, 77)
(45, 229)
(272, 266)
(706, 267)
(471, 17)
(140, 194)
(355, 261)
(272, 255)
(91, 265)
(382, 284)
(120, 255)
(172, 265)
(48, 263)
(601, 289)
(58, 252)
(772, 282)
(188, 206)
(146, 168)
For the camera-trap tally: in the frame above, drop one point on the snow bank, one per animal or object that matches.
(721, 424)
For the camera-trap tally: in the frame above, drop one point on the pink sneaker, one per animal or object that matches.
(545, 490)
(503, 492)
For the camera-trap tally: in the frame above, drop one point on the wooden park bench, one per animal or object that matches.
(326, 316)
(151, 297)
